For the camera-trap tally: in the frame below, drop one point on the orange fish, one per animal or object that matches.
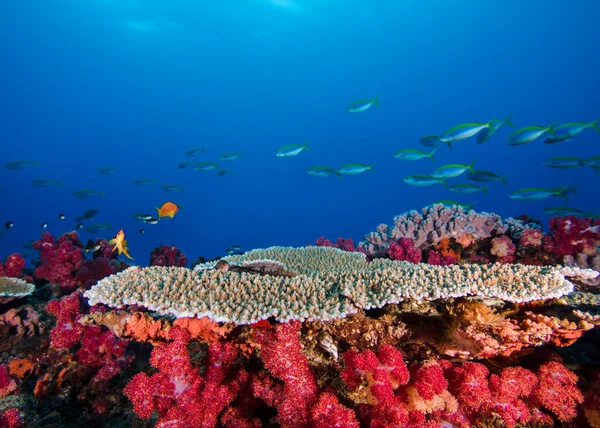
(168, 209)
(120, 244)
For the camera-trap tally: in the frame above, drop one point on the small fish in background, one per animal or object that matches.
(486, 176)
(20, 164)
(91, 246)
(413, 155)
(466, 188)
(44, 182)
(537, 193)
(107, 170)
(528, 134)
(90, 214)
(172, 188)
(29, 245)
(463, 131)
(43, 225)
(223, 172)
(230, 156)
(233, 249)
(79, 226)
(452, 170)
(61, 216)
(564, 162)
(151, 220)
(291, 150)
(168, 209)
(86, 193)
(355, 168)
(143, 182)
(449, 202)
(486, 133)
(141, 231)
(195, 151)
(120, 244)
(206, 166)
(565, 211)
(434, 141)
(95, 228)
(362, 105)
(184, 165)
(8, 225)
(322, 171)
(569, 130)
(142, 217)
(423, 180)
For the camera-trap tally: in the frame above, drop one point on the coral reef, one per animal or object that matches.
(59, 259)
(167, 255)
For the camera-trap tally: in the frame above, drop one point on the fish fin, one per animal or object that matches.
(370, 167)
(376, 100)
(443, 183)
(306, 145)
(112, 241)
(503, 179)
(508, 122)
(449, 144)
(596, 168)
(484, 190)
(158, 210)
(430, 155)
(126, 252)
(470, 166)
(595, 125)
(551, 129)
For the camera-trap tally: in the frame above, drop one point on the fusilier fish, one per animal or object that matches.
(95, 228)
(86, 193)
(43, 182)
(564, 211)
(423, 180)
(528, 134)
(465, 130)
(569, 130)
(172, 188)
(452, 170)
(486, 133)
(322, 171)
(291, 150)
(564, 162)
(537, 193)
(206, 166)
(362, 105)
(142, 217)
(195, 151)
(409, 154)
(486, 176)
(466, 188)
(229, 156)
(449, 202)
(183, 165)
(143, 182)
(593, 162)
(354, 168)
(107, 170)
(224, 171)
(20, 164)
(434, 141)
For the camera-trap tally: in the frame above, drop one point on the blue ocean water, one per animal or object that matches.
(134, 84)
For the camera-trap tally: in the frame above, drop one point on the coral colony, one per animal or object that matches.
(446, 318)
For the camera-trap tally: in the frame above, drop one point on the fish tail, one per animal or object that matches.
(595, 125)
(370, 167)
(306, 145)
(471, 165)
(503, 179)
(101, 194)
(217, 165)
(551, 129)
(443, 183)
(430, 155)
(58, 183)
(376, 100)
(596, 168)
(126, 252)
(449, 144)
(484, 190)
(158, 210)
(508, 122)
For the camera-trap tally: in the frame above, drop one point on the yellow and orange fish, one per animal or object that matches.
(168, 209)
(120, 244)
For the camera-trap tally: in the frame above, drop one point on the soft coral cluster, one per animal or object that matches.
(68, 330)
(404, 249)
(60, 259)
(167, 255)
(571, 236)
(13, 266)
(462, 394)
(177, 392)
(104, 351)
(346, 244)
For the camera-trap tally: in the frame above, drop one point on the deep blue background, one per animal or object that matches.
(134, 84)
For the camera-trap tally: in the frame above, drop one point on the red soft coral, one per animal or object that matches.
(60, 260)
(103, 350)
(572, 235)
(557, 390)
(167, 255)
(404, 249)
(68, 330)
(13, 266)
